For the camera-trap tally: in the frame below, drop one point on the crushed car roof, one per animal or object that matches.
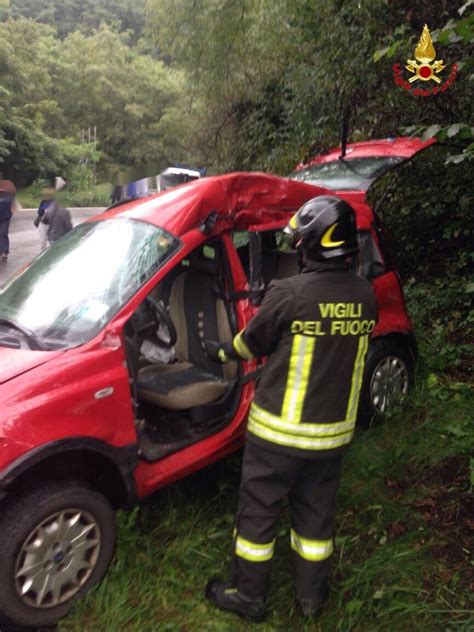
(242, 199)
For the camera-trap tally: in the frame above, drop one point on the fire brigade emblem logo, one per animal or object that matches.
(425, 54)
(425, 67)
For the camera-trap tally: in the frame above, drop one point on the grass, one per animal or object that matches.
(388, 574)
(403, 548)
(29, 197)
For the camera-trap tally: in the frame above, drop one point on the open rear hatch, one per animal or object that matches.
(356, 167)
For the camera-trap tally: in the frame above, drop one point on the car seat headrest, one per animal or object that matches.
(201, 263)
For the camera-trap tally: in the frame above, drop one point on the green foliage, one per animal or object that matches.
(275, 77)
(456, 38)
(48, 97)
(428, 212)
(67, 16)
(427, 209)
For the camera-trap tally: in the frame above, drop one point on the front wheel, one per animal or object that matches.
(388, 377)
(56, 542)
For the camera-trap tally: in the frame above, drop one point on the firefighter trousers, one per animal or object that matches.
(311, 486)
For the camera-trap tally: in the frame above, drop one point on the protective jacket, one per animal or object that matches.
(314, 329)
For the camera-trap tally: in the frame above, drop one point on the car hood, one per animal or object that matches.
(14, 362)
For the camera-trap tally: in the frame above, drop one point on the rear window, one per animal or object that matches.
(353, 173)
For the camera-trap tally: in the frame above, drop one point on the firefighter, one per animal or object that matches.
(314, 330)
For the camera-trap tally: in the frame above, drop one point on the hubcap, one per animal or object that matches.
(57, 558)
(389, 383)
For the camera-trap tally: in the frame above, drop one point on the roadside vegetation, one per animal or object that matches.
(99, 195)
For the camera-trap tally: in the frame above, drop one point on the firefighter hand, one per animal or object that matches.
(214, 351)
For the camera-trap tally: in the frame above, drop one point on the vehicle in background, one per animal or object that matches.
(170, 177)
(173, 176)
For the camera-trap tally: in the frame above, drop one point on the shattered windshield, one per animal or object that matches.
(72, 290)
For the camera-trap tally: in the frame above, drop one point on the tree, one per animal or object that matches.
(67, 16)
(275, 76)
(53, 89)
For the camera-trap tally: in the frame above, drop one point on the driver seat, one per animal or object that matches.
(197, 314)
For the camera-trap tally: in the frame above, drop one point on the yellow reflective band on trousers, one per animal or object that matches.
(311, 550)
(253, 552)
(241, 348)
(357, 376)
(298, 377)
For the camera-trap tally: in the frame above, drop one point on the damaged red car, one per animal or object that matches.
(106, 391)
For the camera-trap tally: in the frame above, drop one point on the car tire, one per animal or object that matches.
(56, 542)
(388, 377)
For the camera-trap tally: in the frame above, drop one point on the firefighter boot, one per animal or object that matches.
(312, 607)
(227, 597)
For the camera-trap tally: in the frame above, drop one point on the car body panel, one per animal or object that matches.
(393, 317)
(17, 361)
(68, 398)
(237, 198)
(84, 391)
(402, 147)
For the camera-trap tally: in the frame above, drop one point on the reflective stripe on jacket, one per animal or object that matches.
(314, 329)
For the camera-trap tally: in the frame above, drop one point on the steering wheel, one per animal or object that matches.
(164, 319)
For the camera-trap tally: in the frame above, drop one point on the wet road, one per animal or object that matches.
(24, 241)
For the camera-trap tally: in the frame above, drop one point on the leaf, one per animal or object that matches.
(378, 594)
(456, 431)
(456, 159)
(454, 129)
(392, 49)
(432, 380)
(380, 53)
(354, 606)
(431, 131)
(465, 6)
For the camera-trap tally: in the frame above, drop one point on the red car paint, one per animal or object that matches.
(49, 398)
(403, 147)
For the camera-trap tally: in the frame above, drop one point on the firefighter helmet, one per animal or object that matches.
(326, 228)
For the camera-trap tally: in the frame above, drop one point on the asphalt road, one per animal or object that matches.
(24, 241)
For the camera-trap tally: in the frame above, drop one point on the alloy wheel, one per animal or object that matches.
(57, 558)
(389, 383)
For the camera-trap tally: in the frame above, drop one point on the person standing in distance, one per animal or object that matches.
(48, 198)
(7, 207)
(56, 217)
(314, 329)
